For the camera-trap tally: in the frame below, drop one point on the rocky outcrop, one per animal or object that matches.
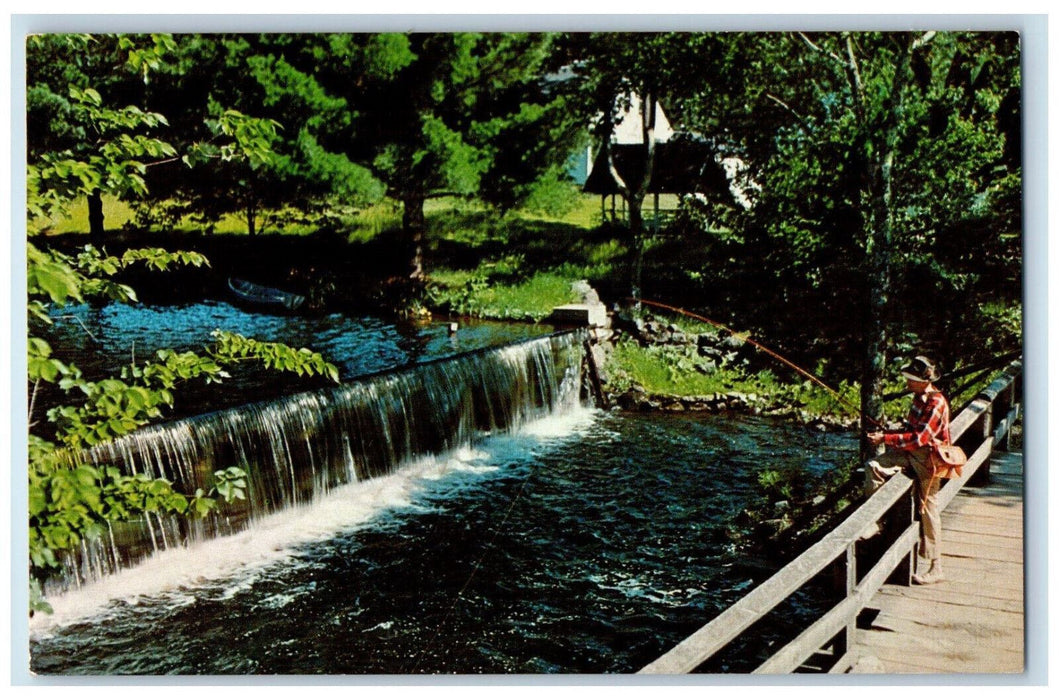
(711, 351)
(637, 398)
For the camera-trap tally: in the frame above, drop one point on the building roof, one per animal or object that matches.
(628, 127)
(681, 166)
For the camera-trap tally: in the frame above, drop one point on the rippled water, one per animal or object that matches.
(587, 544)
(109, 336)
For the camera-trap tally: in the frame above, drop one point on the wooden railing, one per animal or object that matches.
(831, 636)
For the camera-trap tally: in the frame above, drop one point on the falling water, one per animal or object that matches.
(297, 449)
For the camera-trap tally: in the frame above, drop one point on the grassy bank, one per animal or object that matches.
(679, 371)
(518, 265)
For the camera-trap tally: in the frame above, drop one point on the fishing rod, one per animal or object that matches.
(983, 369)
(768, 351)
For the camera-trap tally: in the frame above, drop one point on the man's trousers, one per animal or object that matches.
(881, 468)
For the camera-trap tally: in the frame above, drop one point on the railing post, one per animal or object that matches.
(1006, 400)
(905, 514)
(986, 433)
(845, 641)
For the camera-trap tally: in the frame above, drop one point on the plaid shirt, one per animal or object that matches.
(928, 419)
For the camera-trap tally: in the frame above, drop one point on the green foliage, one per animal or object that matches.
(670, 370)
(56, 278)
(552, 195)
(679, 370)
(149, 58)
(232, 347)
(473, 294)
(91, 147)
(37, 603)
(69, 504)
(775, 485)
(114, 407)
(237, 137)
(231, 484)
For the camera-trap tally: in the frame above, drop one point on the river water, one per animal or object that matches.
(103, 338)
(583, 542)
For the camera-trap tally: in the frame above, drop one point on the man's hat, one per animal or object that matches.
(921, 369)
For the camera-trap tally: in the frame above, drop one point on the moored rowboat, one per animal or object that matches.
(265, 297)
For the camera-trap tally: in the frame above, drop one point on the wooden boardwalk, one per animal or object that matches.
(974, 621)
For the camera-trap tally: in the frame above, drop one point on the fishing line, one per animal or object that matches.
(772, 353)
(478, 564)
(474, 570)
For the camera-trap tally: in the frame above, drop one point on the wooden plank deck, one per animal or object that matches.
(974, 621)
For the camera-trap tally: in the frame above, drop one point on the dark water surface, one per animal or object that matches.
(587, 544)
(104, 338)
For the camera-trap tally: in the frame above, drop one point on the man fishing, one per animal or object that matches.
(911, 448)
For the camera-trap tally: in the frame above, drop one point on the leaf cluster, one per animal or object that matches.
(109, 150)
(68, 505)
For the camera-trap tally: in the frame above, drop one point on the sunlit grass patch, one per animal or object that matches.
(471, 293)
(116, 213)
(678, 370)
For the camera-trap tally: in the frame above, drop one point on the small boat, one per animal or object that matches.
(264, 297)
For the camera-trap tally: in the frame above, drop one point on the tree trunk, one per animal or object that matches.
(96, 232)
(414, 223)
(635, 192)
(648, 116)
(880, 249)
(636, 230)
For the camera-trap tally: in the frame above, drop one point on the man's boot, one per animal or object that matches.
(933, 575)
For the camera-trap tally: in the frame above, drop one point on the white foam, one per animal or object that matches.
(176, 574)
(570, 422)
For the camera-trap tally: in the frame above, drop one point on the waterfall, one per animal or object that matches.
(296, 449)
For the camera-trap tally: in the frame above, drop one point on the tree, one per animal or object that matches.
(79, 143)
(623, 70)
(871, 150)
(444, 121)
(275, 78)
(69, 502)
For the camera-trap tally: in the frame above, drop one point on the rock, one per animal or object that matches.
(646, 405)
(632, 398)
(781, 506)
(707, 367)
(771, 527)
(736, 398)
(599, 357)
(587, 315)
(585, 291)
(675, 407)
(710, 352)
